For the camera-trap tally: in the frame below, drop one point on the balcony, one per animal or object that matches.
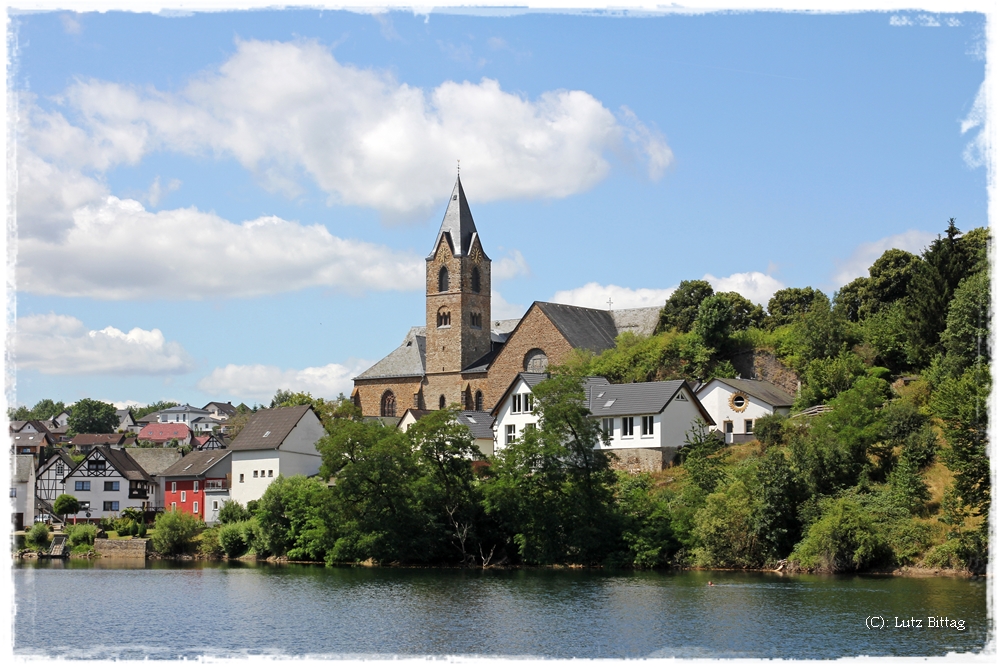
(216, 485)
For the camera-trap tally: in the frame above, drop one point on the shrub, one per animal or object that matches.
(231, 539)
(847, 537)
(66, 504)
(232, 511)
(81, 534)
(174, 532)
(209, 544)
(38, 535)
(770, 430)
(140, 530)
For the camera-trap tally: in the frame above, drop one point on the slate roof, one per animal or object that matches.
(406, 360)
(637, 398)
(148, 419)
(480, 423)
(154, 460)
(128, 467)
(196, 464)
(60, 454)
(268, 428)
(24, 465)
(224, 408)
(765, 391)
(123, 414)
(182, 408)
(457, 224)
(155, 431)
(586, 328)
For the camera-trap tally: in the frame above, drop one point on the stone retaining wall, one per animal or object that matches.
(647, 459)
(135, 548)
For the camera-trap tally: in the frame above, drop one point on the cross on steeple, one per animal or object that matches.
(609, 303)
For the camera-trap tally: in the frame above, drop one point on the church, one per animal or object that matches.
(461, 355)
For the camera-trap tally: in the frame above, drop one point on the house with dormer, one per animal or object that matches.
(50, 479)
(275, 441)
(737, 404)
(198, 484)
(107, 481)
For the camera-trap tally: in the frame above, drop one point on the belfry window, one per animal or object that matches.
(388, 404)
(476, 320)
(441, 403)
(444, 318)
(479, 401)
(475, 279)
(443, 280)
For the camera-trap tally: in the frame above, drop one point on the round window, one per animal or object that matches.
(738, 402)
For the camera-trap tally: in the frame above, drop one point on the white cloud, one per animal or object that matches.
(976, 150)
(284, 110)
(594, 295)
(753, 285)
(157, 192)
(71, 24)
(501, 310)
(865, 254)
(258, 382)
(62, 345)
(188, 254)
(511, 266)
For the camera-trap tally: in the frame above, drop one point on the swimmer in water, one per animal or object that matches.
(710, 583)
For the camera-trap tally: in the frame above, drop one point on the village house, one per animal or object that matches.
(200, 478)
(164, 434)
(461, 355)
(107, 481)
(276, 441)
(220, 411)
(154, 460)
(29, 437)
(84, 442)
(50, 478)
(480, 425)
(126, 422)
(736, 404)
(22, 490)
(210, 441)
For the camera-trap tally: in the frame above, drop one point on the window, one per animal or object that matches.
(479, 401)
(270, 473)
(528, 402)
(173, 487)
(444, 317)
(112, 486)
(475, 280)
(441, 402)
(628, 425)
(173, 507)
(728, 427)
(241, 478)
(647, 425)
(255, 474)
(96, 464)
(748, 426)
(13, 492)
(215, 505)
(388, 405)
(608, 427)
(535, 361)
(195, 508)
(60, 469)
(515, 404)
(511, 434)
(110, 505)
(184, 496)
(681, 396)
(81, 486)
(443, 280)
(476, 320)
(530, 427)
(195, 489)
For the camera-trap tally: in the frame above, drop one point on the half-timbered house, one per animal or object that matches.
(107, 481)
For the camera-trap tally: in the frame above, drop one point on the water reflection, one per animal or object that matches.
(299, 610)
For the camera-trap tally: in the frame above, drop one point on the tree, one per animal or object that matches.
(746, 313)
(888, 281)
(849, 299)
(43, 410)
(233, 511)
(142, 411)
(66, 504)
(786, 305)
(90, 416)
(966, 336)
(174, 531)
(681, 308)
(714, 321)
(290, 515)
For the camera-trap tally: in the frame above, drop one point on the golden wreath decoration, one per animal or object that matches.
(738, 401)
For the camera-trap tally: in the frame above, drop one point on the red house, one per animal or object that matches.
(198, 484)
(163, 434)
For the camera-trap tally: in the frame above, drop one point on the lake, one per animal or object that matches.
(168, 610)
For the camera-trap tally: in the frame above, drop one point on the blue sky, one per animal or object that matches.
(214, 206)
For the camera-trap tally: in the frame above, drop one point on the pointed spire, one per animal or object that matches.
(458, 222)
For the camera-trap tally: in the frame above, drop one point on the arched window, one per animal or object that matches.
(479, 401)
(535, 361)
(388, 404)
(476, 320)
(443, 280)
(475, 279)
(444, 317)
(441, 402)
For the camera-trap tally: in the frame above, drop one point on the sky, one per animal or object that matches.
(213, 206)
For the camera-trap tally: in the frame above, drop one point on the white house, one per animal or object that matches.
(181, 414)
(736, 404)
(644, 423)
(50, 478)
(107, 481)
(22, 490)
(126, 422)
(278, 441)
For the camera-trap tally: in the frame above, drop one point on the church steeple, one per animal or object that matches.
(457, 224)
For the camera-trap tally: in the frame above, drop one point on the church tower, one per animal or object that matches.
(458, 293)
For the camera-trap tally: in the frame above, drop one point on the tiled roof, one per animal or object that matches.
(162, 432)
(480, 423)
(765, 391)
(612, 400)
(196, 464)
(182, 408)
(154, 460)
(90, 439)
(128, 467)
(225, 408)
(268, 428)
(406, 360)
(586, 328)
